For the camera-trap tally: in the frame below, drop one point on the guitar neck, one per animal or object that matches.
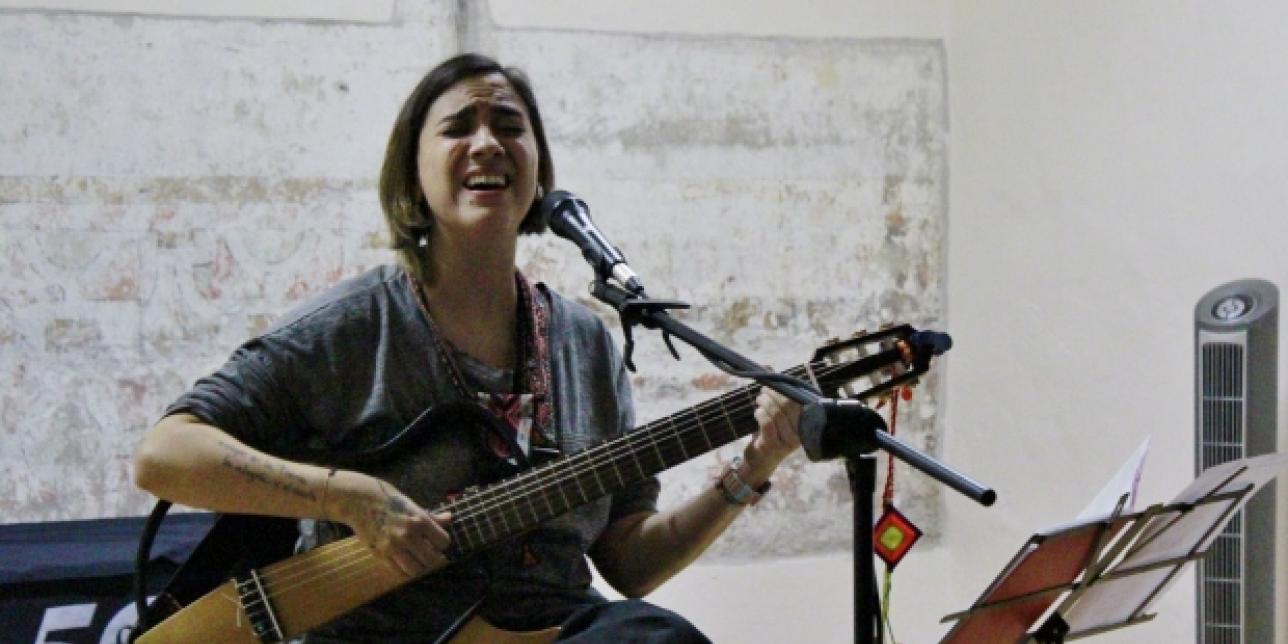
(529, 499)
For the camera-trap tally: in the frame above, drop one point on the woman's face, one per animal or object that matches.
(477, 160)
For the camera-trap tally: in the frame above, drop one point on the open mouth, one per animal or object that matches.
(486, 182)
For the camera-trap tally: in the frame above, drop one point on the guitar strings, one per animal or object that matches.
(343, 552)
(292, 570)
(286, 574)
(610, 452)
(667, 443)
(352, 567)
(612, 449)
(292, 575)
(351, 552)
(466, 511)
(512, 491)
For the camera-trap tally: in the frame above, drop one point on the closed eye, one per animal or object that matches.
(455, 128)
(511, 129)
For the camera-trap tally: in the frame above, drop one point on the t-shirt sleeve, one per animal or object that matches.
(245, 398)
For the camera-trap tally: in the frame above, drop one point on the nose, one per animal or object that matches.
(483, 143)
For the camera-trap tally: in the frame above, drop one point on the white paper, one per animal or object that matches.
(1126, 481)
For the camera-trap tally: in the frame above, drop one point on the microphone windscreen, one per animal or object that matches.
(551, 203)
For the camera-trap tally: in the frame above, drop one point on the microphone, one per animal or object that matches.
(569, 218)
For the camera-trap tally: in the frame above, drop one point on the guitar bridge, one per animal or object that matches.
(258, 610)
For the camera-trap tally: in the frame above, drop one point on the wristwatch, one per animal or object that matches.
(735, 490)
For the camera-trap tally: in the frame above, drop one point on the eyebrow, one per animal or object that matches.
(501, 108)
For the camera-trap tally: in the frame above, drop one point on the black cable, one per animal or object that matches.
(142, 557)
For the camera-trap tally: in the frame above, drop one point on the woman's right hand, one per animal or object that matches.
(405, 535)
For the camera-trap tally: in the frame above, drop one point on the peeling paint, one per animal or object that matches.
(713, 381)
(65, 335)
(171, 190)
(736, 316)
(257, 324)
(208, 276)
(896, 224)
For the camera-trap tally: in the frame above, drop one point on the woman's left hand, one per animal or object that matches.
(779, 420)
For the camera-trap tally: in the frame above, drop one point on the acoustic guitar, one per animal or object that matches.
(282, 600)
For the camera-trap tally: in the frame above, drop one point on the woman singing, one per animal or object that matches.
(453, 323)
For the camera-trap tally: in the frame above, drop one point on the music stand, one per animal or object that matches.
(1110, 570)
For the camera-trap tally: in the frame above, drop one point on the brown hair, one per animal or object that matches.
(401, 198)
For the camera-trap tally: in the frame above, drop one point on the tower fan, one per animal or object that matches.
(1236, 359)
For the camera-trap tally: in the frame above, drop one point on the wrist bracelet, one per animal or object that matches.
(735, 490)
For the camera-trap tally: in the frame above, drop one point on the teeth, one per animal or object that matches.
(485, 181)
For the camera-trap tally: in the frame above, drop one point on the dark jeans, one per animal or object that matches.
(628, 622)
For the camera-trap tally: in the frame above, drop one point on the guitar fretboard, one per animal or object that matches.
(529, 499)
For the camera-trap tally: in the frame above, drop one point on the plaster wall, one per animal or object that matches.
(169, 185)
(375, 11)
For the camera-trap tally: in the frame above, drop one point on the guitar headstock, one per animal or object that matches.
(871, 365)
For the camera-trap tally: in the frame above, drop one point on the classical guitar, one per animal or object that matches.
(290, 597)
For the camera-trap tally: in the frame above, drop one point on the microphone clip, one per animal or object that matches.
(633, 310)
(834, 427)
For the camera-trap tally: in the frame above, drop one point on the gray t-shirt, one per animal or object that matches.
(355, 365)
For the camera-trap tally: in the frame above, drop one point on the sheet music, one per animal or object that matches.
(1051, 558)
(1170, 535)
(1126, 481)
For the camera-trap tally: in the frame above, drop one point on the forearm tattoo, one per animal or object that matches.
(261, 470)
(393, 505)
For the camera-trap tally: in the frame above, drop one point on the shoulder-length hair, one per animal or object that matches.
(401, 198)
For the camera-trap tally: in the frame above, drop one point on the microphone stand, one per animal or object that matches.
(829, 428)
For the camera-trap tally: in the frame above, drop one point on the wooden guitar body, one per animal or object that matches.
(218, 617)
(438, 456)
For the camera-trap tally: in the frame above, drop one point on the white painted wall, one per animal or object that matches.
(1111, 162)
